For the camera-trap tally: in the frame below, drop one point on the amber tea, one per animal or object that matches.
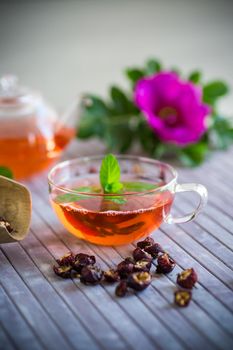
(117, 220)
(113, 201)
(26, 156)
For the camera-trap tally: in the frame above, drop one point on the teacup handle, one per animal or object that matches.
(192, 187)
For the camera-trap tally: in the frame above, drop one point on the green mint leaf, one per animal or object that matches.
(6, 172)
(153, 66)
(71, 197)
(117, 200)
(195, 77)
(139, 186)
(214, 90)
(134, 74)
(110, 171)
(113, 188)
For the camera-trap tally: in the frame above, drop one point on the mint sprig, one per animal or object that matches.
(139, 186)
(72, 197)
(110, 174)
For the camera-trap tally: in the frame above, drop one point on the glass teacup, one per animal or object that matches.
(113, 219)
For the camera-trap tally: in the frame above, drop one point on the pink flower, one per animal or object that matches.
(172, 107)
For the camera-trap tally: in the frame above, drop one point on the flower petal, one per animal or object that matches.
(187, 120)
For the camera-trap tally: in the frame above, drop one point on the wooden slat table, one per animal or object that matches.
(40, 311)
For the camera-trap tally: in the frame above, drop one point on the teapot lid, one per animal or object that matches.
(11, 92)
(16, 99)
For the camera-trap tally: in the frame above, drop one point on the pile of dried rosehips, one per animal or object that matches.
(133, 273)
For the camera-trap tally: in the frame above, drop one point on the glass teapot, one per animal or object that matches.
(31, 135)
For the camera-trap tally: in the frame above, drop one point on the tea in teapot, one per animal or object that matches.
(31, 135)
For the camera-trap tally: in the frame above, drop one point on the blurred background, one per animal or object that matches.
(66, 47)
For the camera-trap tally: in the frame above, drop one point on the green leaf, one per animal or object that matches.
(213, 91)
(71, 197)
(134, 74)
(193, 155)
(175, 70)
(94, 106)
(120, 101)
(117, 200)
(110, 171)
(126, 139)
(221, 132)
(93, 117)
(160, 150)
(150, 143)
(195, 77)
(153, 66)
(120, 135)
(4, 171)
(90, 126)
(147, 137)
(139, 186)
(113, 187)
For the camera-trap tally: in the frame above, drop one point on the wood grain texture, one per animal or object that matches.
(4, 339)
(40, 311)
(20, 333)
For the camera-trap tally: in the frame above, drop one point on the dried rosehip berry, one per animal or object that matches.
(91, 274)
(4, 223)
(142, 265)
(182, 297)
(93, 170)
(82, 260)
(66, 260)
(165, 264)
(129, 259)
(140, 254)
(187, 278)
(125, 267)
(63, 271)
(121, 289)
(154, 250)
(139, 280)
(111, 276)
(148, 241)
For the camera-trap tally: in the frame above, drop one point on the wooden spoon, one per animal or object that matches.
(15, 208)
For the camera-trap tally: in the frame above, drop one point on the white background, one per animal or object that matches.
(65, 47)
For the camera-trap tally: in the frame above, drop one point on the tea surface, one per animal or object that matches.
(117, 220)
